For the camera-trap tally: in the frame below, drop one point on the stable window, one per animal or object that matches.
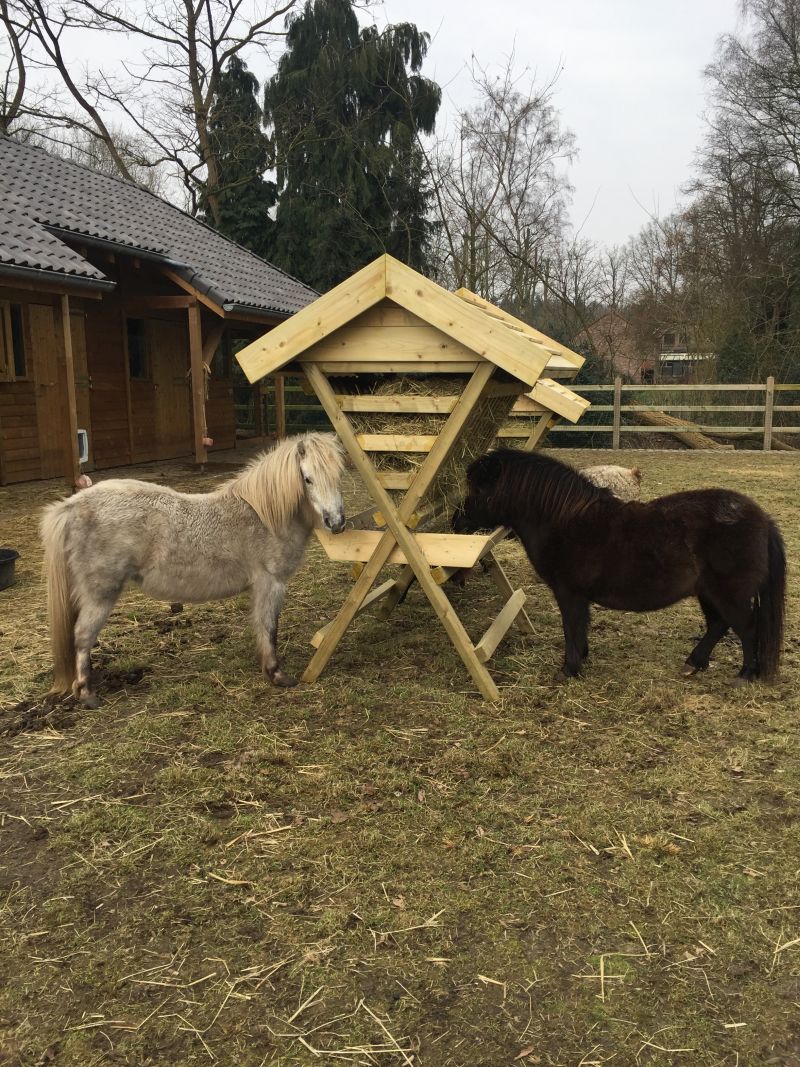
(138, 362)
(13, 363)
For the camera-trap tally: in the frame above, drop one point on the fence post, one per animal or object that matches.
(617, 412)
(769, 401)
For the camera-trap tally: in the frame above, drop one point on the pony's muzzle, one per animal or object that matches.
(336, 524)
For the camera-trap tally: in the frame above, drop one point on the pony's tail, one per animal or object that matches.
(61, 614)
(770, 607)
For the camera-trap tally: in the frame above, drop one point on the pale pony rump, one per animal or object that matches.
(624, 482)
(272, 484)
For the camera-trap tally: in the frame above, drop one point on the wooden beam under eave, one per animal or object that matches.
(198, 382)
(52, 288)
(187, 287)
(159, 303)
(72, 467)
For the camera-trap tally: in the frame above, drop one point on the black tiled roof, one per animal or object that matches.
(24, 243)
(40, 193)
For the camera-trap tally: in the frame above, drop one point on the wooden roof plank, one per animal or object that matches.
(558, 398)
(496, 312)
(314, 322)
(513, 351)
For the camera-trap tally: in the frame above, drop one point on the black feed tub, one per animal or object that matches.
(8, 557)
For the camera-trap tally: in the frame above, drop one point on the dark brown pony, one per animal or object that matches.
(591, 548)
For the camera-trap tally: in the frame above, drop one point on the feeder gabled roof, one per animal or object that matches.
(486, 330)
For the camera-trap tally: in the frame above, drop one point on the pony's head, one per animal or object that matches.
(306, 469)
(321, 460)
(508, 485)
(478, 510)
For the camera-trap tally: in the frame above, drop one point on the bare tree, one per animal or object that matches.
(501, 191)
(13, 67)
(165, 97)
(755, 92)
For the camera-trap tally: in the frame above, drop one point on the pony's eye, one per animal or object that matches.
(308, 481)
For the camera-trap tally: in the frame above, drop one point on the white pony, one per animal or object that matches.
(248, 534)
(624, 482)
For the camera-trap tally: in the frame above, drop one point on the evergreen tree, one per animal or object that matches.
(243, 196)
(345, 107)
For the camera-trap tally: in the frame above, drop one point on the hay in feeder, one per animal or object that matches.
(477, 436)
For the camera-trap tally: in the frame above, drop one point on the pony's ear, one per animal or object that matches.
(301, 449)
(484, 470)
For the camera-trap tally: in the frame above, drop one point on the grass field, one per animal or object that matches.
(383, 869)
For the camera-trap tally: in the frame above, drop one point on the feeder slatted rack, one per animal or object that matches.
(411, 447)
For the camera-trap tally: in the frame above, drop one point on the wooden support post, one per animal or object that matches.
(72, 467)
(768, 406)
(126, 377)
(280, 406)
(198, 382)
(617, 412)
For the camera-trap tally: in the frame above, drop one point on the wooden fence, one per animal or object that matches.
(762, 427)
(292, 410)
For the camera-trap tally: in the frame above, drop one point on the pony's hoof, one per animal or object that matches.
(282, 679)
(176, 608)
(561, 678)
(90, 700)
(689, 669)
(741, 680)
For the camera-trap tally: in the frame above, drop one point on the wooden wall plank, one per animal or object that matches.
(407, 344)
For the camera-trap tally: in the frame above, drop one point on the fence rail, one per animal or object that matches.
(764, 428)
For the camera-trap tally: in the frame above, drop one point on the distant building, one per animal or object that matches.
(677, 362)
(613, 338)
(670, 359)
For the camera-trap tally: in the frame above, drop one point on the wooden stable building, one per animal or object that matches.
(119, 315)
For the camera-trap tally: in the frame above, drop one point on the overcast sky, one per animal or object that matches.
(630, 88)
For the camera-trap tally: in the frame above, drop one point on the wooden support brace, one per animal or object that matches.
(375, 594)
(500, 626)
(545, 423)
(401, 585)
(495, 571)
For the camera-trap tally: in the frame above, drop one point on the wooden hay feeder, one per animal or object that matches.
(385, 324)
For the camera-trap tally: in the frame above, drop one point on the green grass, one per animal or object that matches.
(383, 869)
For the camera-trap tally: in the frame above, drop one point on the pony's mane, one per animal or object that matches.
(559, 490)
(272, 483)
